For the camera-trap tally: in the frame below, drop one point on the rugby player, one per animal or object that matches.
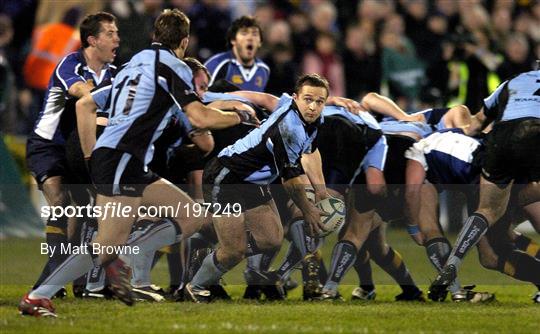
(154, 80)
(239, 66)
(241, 174)
(513, 108)
(74, 76)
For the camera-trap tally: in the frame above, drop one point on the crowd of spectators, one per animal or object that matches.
(444, 51)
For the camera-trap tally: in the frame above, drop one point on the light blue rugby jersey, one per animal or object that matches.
(209, 97)
(274, 149)
(141, 101)
(395, 127)
(515, 98)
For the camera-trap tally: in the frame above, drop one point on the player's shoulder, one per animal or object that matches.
(72, 59)
(262, 64)
(222, 57)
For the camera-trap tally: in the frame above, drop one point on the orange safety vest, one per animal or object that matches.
(50, 44)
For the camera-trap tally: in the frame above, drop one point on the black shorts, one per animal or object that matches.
(45, 159)
(222, 186)
(117, 173)
(512, 152)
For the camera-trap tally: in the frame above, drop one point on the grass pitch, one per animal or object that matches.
(20, 264)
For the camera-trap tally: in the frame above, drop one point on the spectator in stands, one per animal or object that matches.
(135, 23)
(361, 61)
(402, 70)
(518, 58)
(326, 62)
(285, 71)
(51, 42)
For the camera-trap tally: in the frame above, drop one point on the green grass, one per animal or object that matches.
(20, 263)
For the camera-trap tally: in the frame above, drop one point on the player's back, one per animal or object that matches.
(141, 100)
(449, 157)
(516, 98)
(260, 156)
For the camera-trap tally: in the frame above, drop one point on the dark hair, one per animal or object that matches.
(313, 80)
(195, 65)
(170, 28)
(239, 23)
(91, 26)
(71, 16)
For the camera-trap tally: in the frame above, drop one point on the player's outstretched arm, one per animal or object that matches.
(86, 123)
(248, 114)
(478, 123)
(377, 103)
(203, 117)
(349, 104)
(265, 100)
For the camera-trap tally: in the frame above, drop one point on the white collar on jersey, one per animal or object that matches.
(247, 73)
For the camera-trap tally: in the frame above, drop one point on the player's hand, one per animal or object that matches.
(351, 105)
(247, 117)
(320, 195)
(313, 220)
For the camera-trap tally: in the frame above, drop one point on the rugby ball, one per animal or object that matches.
(336, 210)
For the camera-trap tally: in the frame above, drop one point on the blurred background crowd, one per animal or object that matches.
(417, 52)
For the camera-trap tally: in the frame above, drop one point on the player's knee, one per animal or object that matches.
(57, 197)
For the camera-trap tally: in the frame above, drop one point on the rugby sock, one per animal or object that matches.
(393, 264)
(362, 266)
(95, 278)
(191, 245)
(209, 273)
(438, 250)
(474, 228)
(174, 262)
(298, 237)
(74, 266)
(55, 237)
(343, 257)
(528, 246)
(149, 238)
(254, 261)
(266, 260)
(520, 266)
(292, 258)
